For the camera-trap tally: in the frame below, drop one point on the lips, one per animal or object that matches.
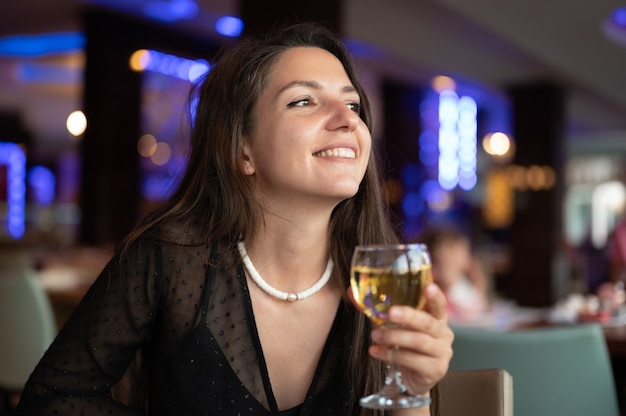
(343, 152)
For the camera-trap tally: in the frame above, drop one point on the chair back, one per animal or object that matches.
(27, 323)
(487, 392)
(557, 370)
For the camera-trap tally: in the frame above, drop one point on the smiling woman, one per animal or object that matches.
(329, 144)
(281, 179)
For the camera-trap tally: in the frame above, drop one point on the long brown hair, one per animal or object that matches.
(215, 196)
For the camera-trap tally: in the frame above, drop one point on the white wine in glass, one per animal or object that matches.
(382, 276)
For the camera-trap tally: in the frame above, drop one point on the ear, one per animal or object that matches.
(246, 163)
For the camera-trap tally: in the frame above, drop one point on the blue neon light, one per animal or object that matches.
(13, 156)
(364, 50)
(37, 72)
(174, 66)
(432, 192)
(171, 11)
(39, 45)
(42, 182)
(618, 16)
(457, 141)
(413, 204)
(229, 26)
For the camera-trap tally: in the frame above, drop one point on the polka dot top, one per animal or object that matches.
(181, 315)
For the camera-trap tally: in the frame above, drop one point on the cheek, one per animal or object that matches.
(264, 142)
(365, 143)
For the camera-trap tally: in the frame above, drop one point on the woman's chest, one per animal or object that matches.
(292, 341)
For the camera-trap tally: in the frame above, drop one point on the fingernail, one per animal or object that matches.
(395, 313)
(431, 289)
(376, 351)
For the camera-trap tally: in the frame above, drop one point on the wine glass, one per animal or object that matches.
(382, 276)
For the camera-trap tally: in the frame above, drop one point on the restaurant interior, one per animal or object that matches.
(505, 120)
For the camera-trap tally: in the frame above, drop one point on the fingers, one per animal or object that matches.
(424, 359)
(428, 320)
(419, 334)
(421, 372)
(435, 341)
(436, 301)
(422, 348)
(422, 341)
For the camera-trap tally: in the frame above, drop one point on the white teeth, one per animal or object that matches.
(337, 152)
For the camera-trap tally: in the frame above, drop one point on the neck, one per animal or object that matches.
(288, 262)
(290, 249)
(289, 295)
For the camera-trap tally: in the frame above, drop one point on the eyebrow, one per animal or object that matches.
(313, 85)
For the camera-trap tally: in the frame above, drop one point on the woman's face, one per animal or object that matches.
(308, 141)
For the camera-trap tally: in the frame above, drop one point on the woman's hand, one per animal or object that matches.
(424, 342)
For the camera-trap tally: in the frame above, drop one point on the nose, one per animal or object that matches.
(343, 117)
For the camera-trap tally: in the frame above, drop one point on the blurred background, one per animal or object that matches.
(505, 119)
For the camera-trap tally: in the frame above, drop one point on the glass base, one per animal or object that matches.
(394, 401)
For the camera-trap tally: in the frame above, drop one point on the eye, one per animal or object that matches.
(300, 102)
(356, 107)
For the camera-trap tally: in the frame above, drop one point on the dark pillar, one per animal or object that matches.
(110, 192)
(12, 129)
(400, 151)
(110, 183)
(538, 118)
(258, 16)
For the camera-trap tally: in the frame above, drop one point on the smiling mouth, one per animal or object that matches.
(343, 152)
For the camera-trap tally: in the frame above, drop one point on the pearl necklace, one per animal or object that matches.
(278, 294)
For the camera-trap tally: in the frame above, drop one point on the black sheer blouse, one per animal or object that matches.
(194, 322)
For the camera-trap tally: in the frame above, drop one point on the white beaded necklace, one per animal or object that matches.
(291, 297)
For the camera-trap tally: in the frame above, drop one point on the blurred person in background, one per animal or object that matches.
(458, 272)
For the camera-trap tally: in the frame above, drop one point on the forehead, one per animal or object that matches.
(301, 63)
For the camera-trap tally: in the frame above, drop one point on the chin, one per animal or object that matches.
(347, 194)
(341, 189)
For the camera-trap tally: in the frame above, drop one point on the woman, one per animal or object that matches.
(282, 175)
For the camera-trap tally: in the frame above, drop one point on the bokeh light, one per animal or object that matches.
(229, 26)
(139, 60)
(147, 145)
(162, 154)
(76, 123)
(441, 83)
(497, 144)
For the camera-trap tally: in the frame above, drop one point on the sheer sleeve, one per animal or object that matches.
(99, 341)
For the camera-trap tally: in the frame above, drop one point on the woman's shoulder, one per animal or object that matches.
(181, 233)
(173, 242)
(167, 239)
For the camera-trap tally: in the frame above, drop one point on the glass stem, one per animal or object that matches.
(394, 376)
